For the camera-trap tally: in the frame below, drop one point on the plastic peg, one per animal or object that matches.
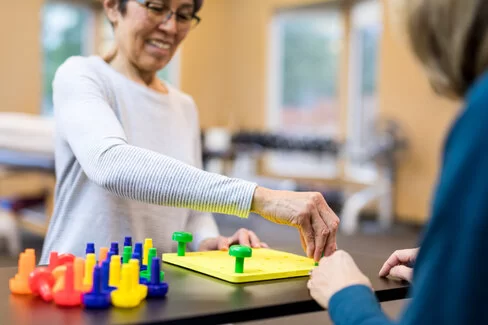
(114, 248)
(240, 252)
(106, 277)
(147, 245)
(114, 274)
(138, 249)
(41, 282)
(96, 298)
(182, 238)
(123, 296)
(53, 260)
(126, 255)
(90, 263)
(66, 258)
(140, 289)
(156, 288)
(19, 284)
(90, 248)
(79, 269)
(147, 273)
(68, 296)
(138, 257)
(102, 255)
(127, 241)
(58, 274)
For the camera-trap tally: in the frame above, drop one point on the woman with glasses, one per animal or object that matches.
(128, 153)
(450, 39)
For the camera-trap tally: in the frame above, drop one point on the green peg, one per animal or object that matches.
(182, 238)
(147, 273)
(240, 253)
(317, 263)
(127, 254)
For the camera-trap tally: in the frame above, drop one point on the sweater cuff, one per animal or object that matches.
(353, 305)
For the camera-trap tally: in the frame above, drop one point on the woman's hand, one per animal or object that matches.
(242, 237)
(333, 274)
(307, 211)
(399, 264)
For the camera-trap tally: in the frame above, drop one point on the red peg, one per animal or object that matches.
(41, 282)
(56, 260)
(53, 261)
(65, 259)
(68, 296)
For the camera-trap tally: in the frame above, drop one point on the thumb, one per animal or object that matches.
(403, 272)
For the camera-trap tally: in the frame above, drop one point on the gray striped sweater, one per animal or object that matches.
(128, 163)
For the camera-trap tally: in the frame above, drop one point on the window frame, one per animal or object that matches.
(291, 164)
(89, 43)
(354, 169)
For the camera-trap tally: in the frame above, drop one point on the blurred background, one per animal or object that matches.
(294, 94)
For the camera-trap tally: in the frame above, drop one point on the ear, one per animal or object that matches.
(111, 8)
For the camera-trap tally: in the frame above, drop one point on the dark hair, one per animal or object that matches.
(123, 5)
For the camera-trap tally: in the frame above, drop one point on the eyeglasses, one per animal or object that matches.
(161, 13)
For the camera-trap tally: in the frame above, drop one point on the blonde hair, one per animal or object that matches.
(450, 38)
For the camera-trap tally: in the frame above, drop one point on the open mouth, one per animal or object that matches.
(159, 44)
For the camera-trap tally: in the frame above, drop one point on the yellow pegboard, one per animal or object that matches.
(265, 264)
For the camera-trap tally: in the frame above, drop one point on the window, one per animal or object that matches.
(304, 62)
(66, 31)
(366, 28)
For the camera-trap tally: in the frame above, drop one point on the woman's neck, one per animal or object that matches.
(148, 79)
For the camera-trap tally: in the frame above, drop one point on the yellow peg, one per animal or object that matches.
(140, 289)
(91, 261)
(147, 244)
(123, 296)
(114, 272)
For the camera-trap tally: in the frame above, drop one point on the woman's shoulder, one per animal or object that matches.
(79, 64)
(82, 66)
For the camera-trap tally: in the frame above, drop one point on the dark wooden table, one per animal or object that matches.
(192, 299)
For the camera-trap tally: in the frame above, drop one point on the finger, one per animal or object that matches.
(264, 245)
(321, 233)
(302, 240)
(309, 284)
(223, 243)
(398, 257)
(255, 242)
(332, 222)
(234, 239)
(308, 236)
(243, 236)
(403, 272)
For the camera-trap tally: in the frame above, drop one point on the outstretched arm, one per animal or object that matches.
(98, 141)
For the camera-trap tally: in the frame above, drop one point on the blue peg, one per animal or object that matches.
(96, 298)
(156, 288)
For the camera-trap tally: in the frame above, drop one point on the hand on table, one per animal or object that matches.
(307, 211)
(333, 274)
(399, 264)
(241, 237)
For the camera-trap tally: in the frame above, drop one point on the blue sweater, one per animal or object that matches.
(452, 266)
